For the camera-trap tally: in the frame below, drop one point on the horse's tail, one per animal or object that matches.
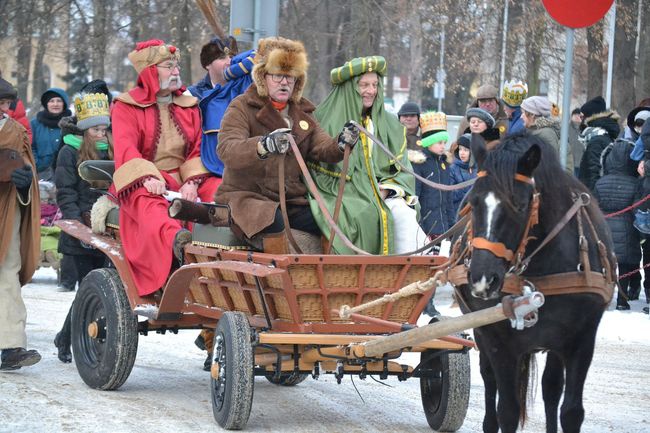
(527, 374)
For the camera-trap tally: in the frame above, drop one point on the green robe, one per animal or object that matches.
(364, 217)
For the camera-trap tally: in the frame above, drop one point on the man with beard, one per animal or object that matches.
(157, 135)
(254, 136)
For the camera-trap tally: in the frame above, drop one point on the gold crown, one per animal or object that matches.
(91, 105)
(433, 121)
(514, 93)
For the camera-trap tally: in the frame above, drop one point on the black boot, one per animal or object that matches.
(13, 359)
(621, 304)
(64, 354)
(207, 364)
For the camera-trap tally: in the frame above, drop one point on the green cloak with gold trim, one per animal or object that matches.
(364, 217)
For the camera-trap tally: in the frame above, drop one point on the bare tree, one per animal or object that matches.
(595, 57)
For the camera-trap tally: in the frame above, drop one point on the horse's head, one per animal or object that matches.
(501, 202)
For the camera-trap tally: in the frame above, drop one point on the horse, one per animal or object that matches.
(533, 223)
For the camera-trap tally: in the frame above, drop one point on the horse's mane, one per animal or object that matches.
(552, 182)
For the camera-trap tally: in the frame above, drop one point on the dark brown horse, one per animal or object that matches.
(501, 201)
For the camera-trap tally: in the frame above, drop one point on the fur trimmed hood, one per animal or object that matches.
(281, 56)
(68, 125)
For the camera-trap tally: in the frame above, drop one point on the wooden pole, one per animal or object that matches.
(432, 331)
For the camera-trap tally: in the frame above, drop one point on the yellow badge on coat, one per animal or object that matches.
(304, 125)
(502, 129)
(444, 167)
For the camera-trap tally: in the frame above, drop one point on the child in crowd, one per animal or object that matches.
(85, 137)
(462, 169)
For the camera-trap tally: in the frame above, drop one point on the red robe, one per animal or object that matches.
(146, 230)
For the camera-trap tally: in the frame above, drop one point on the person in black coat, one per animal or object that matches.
(85, 137)
(616, 190)
(600, 129)
(462, 169)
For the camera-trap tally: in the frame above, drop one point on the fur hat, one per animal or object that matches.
(593, 106)
(216, 49)
(537, 105)
(481, 114)
(97, 86)
(7, 91)
(152, 52)
(278, 55)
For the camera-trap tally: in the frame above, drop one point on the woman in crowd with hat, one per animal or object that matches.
(462, 169)
(537, 115)
(85, 137)
(46, 134)
(481, 122)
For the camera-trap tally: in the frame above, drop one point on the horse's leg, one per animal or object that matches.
(577, 363)
(552, 385)
(490, 423)
(505, 369)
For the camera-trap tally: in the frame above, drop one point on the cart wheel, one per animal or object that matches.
(104, 331)
(286, 379)
(231, 384)
(444, 387)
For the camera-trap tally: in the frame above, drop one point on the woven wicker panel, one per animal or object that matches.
(274, 281)
(282, 307)
(217, 296)
(197, 293)
(311, 308)
(304, 277)
(374, 311)
(339, 299)
(228, 275)
(418, 273)
(259, 310)
(403, 308)
(381, 276)
(238, 299)
(340, 276)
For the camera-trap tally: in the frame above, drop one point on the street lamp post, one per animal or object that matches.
(441, 74)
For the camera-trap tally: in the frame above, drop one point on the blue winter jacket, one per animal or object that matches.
(436, 208)
(458, 173)
(202, 87)
(516, 123)
(46, 134)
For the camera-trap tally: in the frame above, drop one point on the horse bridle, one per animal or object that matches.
(499, 249)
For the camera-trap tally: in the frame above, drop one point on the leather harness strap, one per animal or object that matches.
(497, 248)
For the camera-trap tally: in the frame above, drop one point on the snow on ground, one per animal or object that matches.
(168, 391)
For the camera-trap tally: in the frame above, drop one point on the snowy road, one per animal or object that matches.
(168, 392)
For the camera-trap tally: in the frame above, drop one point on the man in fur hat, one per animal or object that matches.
(254, 136)
(19, 235)
(487, 98)
(157, 135)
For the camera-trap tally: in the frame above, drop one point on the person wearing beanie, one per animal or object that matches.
(481, 122)
(12, 106)
(432, 163)
(599, 128)
(19, 235)
(462, 169)
(46, 134)
(634, 122)
(157, 143)
(85, 137)
(487, 98)
(254, 137)
(378, 212)
(536, 113)
(409, 116)
(215, 58)
(514, 92)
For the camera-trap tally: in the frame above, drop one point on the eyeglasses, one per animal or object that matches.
(170, 66)
(277, 78)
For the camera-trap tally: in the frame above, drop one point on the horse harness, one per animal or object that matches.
(583, 280)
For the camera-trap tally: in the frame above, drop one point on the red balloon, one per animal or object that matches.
(577, 13)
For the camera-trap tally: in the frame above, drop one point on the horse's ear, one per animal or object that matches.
(529, 161)
(479, 151)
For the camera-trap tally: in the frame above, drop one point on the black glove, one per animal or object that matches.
(349, 136)
(276, 142)
(22, 177)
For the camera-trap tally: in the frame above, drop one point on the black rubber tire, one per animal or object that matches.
(287, 379)
(232, 391)
(445, 391)
(104, 362)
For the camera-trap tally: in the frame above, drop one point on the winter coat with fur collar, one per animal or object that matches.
(602, 129)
